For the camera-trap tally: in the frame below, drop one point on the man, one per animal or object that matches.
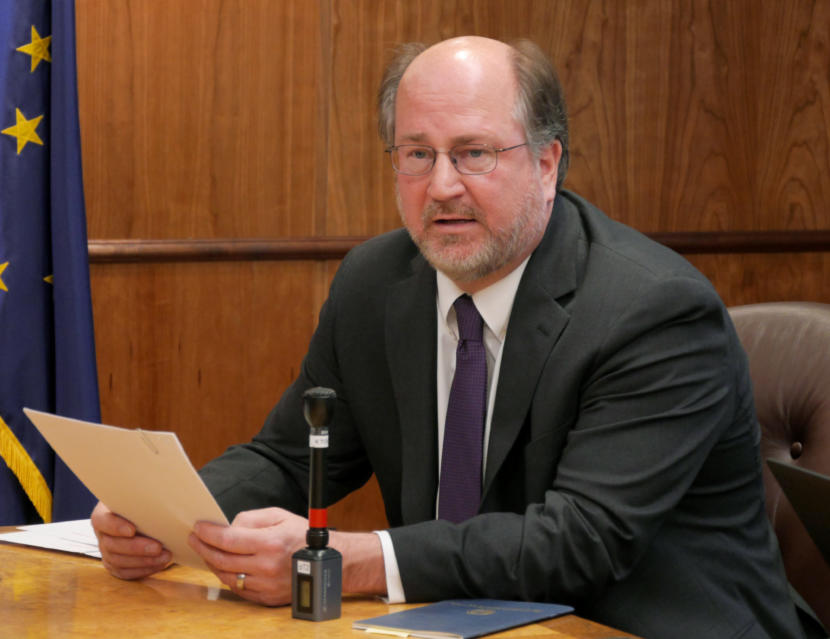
(617, 465)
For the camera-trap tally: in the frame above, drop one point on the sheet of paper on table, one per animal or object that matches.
(69, 536)
(144, 476)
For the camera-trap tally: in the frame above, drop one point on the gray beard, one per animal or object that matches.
(498, 250)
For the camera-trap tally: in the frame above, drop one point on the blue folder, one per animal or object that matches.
(461, 618)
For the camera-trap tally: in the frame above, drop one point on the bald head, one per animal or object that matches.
(471, 58)
(470, 43)
(461, 70)
(521, 74)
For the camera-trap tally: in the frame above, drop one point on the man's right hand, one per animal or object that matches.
(126, 554)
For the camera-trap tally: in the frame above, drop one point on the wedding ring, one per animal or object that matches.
(240, 581)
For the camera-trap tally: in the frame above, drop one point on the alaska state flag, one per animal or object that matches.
(47, 348)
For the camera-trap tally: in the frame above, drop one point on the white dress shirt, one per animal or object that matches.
(494, 304)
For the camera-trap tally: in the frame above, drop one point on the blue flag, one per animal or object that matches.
(47, 347)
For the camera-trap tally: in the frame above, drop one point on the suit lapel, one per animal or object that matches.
(411, 348)
(536, 322)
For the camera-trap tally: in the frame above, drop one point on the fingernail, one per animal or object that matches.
(152, 549)
(125, 531)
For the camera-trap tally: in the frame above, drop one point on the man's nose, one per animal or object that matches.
(445, 183)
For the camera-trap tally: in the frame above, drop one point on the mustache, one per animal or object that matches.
(434, 210)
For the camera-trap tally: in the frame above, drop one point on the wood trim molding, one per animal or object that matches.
(334, 248)
(224, 250)
(696, 242)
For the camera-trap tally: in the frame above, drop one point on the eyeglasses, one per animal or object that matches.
(469, 159)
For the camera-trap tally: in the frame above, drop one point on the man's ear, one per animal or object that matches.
(549, 157)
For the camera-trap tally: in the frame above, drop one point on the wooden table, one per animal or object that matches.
(47, 593)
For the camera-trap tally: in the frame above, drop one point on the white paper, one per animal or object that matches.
(144, 476)
(69, 536)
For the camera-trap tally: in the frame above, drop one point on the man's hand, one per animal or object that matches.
(126, 554)
(259, 544)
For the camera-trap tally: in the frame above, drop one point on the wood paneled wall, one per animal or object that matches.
(242, 135)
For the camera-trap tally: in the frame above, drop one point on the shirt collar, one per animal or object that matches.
(494, 303)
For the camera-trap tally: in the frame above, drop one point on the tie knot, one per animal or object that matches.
(470, 324)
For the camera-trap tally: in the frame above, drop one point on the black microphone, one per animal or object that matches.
(316, 571)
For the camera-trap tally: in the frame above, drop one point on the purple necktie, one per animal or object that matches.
(460, 485)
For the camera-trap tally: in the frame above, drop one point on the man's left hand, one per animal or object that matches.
(258, 544)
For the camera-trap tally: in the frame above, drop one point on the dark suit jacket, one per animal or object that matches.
(623, 471)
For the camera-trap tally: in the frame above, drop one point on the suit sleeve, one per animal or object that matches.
(654, 401)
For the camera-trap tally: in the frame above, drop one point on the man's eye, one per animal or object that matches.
(469, 153)
(419, 154)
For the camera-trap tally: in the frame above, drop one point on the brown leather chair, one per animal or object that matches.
(788, 345)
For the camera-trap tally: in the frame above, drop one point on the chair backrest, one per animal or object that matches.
(788, 345)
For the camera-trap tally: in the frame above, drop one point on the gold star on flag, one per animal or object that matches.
(49, 279)
(2, 283)
(38, 49)
(24, 130)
